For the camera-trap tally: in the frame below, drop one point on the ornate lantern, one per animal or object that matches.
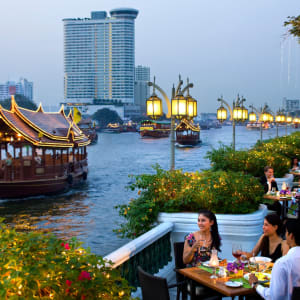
(244, 114)
(191, 107)
(252, 117)
(289, 119)
(238, 113)
(154, 107)
(221, 114)
(179, 107)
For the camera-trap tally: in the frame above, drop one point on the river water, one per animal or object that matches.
(87, 212)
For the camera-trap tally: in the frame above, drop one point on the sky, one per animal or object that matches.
(225, 47)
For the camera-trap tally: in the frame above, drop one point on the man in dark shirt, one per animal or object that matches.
(268, 181)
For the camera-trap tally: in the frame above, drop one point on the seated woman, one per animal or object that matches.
(270, 244)
(198, 245)
(295, 164)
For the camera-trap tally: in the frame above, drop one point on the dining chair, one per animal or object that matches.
(296, 293)
(185, 287)
(153, 287)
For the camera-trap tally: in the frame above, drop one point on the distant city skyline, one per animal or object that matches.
(224, 47)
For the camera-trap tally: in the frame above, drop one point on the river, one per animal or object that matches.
(87, 212)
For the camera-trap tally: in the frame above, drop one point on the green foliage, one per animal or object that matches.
(253, 161)
(38, 266)
(294, 26)
(175, 191)
(21, 100)
(105, 116)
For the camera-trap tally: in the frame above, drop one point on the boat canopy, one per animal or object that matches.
(42, 129)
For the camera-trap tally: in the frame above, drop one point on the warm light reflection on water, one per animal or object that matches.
(88, 212)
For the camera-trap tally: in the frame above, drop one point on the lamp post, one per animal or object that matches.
(279, 119)
(238, 113)
(264, 116)
(179, 108)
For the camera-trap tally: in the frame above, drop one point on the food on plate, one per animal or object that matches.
(223, 263)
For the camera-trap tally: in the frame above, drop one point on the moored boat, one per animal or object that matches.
(113, 128)
(257, 125)
(89, 129)
(40, 153)
(187, 133)
(155, 129)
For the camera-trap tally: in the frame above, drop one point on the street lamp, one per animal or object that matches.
(279, 119)
(264, 116)
(178, 108)
(238, 113)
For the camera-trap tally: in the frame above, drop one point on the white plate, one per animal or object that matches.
(233, 283)
(206, 264)
(260, 259)
(246, 276)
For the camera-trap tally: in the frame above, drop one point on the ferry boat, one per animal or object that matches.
(89, 129)
(155, 129)
(256, 125)
(187, 133)
(40, 153)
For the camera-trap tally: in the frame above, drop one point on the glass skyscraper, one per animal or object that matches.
(99, 57)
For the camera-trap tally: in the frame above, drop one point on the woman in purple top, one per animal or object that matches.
(198, 245)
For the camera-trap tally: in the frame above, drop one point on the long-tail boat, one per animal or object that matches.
(40, 152)
(187, 133)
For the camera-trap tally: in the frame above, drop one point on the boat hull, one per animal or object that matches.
(29, 188)
(155, 133)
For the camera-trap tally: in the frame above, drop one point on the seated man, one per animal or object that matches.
(269, 183)
(286, 270)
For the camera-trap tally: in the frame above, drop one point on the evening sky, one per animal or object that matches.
(224, 46)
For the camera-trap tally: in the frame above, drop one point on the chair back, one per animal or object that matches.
(178, 253)
(296, 293)
(153, 287)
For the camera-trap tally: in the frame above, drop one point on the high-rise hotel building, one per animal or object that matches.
(99, 57)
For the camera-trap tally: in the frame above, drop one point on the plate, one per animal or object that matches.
(206, 264)
(260, 276)
(260, 259)
(233, 283)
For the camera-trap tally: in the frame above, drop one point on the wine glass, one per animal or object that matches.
(202, 249)
(237, 251)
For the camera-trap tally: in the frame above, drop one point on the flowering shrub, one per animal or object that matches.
(176, 191)
(251, 162)
(288, 146)
(38, 266)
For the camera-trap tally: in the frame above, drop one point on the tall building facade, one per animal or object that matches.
(291, 104)
(99, 57)
(141, 88)
(22, 87)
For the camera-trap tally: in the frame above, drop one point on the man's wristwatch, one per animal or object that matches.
(254, 284)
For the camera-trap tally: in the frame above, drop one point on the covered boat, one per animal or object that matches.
(187, 133)
(40, 153)
(155, 129)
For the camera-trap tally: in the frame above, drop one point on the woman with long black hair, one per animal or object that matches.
(198, 245)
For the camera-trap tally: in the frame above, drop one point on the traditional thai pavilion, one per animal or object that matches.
(40, 152)
(187, 133)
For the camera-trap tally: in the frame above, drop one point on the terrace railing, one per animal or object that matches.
(151, 251)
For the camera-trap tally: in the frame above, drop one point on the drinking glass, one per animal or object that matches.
(202, 249)
(237, 251)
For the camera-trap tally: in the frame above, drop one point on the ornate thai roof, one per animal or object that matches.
(187, 125)
(43, 128)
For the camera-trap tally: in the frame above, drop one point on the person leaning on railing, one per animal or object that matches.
(286, 271)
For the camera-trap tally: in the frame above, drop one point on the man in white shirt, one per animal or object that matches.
(286, 270)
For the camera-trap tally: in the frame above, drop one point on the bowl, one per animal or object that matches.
(260, 259)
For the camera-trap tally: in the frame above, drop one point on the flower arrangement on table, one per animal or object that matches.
(236, 269)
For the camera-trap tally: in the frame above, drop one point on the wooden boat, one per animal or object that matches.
(129, 127)
(155, 129)
(187, 133)
(256, 125)
(40, 153)
(88, 129)
(113, 128)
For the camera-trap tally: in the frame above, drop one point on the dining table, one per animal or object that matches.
(195, 274)
(284, 200)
